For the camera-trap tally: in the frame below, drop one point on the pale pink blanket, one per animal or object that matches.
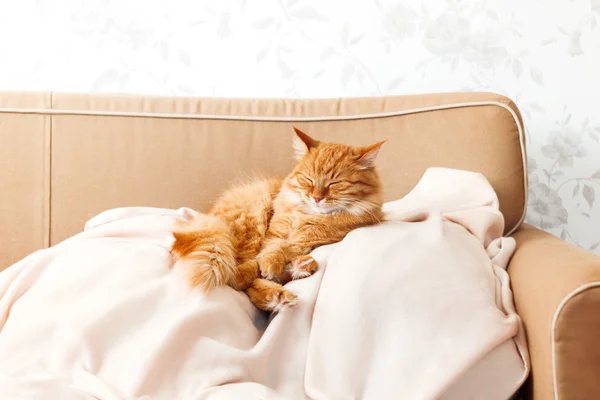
(406, 310)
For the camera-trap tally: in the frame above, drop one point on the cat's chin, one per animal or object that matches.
(322, 210)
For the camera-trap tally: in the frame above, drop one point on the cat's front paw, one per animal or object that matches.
(303, 267)
(270, 296)
(271, 264)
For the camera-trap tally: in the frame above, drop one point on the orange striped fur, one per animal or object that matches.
(255, 230)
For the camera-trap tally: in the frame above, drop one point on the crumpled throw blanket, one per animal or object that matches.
(417, 308)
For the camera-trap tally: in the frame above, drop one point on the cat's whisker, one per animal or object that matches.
(365, 209)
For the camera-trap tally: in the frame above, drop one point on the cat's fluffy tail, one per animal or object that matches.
(204, 247)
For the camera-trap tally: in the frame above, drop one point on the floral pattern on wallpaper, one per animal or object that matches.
(543, 54)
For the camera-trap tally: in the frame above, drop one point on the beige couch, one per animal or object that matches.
(65, 158)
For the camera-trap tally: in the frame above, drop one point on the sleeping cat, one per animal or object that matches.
(257, 229)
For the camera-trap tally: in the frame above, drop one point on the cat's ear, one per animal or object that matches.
(302, 143)
(369, 154)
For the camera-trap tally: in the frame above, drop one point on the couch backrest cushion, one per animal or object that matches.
(64, 158)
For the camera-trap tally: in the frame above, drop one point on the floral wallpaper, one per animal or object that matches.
(544, 54)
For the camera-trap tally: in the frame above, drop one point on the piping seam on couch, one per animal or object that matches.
(561, 305)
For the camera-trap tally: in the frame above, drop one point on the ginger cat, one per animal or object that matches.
(255, 230)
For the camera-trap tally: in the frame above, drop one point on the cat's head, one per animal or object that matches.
(333, 177)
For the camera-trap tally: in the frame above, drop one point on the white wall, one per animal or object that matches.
(545, 54)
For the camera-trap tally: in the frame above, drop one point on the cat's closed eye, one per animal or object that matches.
(339, 186)
(304, 180)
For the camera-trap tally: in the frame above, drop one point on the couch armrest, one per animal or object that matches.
(556, 289)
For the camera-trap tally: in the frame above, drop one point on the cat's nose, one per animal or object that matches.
(317, 199)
